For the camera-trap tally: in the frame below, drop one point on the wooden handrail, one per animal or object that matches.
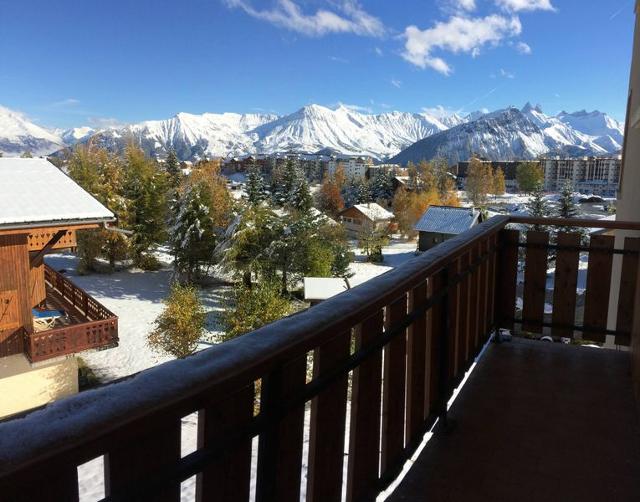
(235, 363)
(576, 222)
(464, 283)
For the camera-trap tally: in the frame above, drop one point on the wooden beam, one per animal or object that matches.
(30, 230)
(52, 242)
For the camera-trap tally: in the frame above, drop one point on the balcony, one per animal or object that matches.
(535, 420)
(85, 325)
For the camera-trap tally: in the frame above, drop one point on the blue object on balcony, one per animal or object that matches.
(47, 314)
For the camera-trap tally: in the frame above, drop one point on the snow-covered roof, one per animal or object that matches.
(34, 192)
(447, 220)
(321, 288)
(374, 212)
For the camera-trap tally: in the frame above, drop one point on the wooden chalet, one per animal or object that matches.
(43, 315)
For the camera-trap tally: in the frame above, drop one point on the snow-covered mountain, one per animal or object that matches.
(342, 129)
(609, 131)
(74, 135)
(509, 134)
(18, 135)
(308, 130)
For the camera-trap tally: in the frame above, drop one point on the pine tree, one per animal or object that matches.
(300, 196)
(538, 207)
(567, 208)
(172, 166)
(181, 325)
(145, 188)
(256, 191)
(192, 234)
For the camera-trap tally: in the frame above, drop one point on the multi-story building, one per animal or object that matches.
(597, 175)
(354, 167)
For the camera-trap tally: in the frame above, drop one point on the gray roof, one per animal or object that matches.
(447, 220)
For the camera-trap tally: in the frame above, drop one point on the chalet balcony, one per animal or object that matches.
(68, 321)
(335, 402)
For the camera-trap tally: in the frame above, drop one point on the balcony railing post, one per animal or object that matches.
(443, 374)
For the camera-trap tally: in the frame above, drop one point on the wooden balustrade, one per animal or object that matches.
(557, 304)
(406, 338)
(99, 330)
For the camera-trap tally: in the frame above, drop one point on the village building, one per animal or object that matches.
(45, 319)
(365, 217)
(587, 175)
(355, 168)
(440, 223)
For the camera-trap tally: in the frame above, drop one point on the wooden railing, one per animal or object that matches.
(386, 354)
(574, 301)
(99, 330)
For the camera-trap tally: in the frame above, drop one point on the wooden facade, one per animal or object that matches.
(26, 282)
(406, 338)
(15, 293)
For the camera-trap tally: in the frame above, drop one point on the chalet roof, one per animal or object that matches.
(447, 220)
(373, 211)
(322, 288)
(34, 192)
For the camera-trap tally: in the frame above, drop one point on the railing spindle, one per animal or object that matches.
(364, 430)
(393, 394)
(228, 477)
(328, 416)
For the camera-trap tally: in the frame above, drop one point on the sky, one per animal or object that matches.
(70, 63)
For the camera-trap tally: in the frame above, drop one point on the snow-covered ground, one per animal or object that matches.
(135, 296)
(396, 253)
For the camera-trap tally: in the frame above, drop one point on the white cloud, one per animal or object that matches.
(523, 48)
(525, 5)
(439, 111)
(64, 103)
(396, 83)
(289, 15)
(467, 5)
(378, 51)
(507, 74)
(457, 35)
(104, 122)
(355, 108)
(338, 59)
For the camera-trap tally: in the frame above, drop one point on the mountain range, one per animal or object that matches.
(400, 136)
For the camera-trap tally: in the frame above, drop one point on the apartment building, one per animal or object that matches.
(354, 167)
(597, 175)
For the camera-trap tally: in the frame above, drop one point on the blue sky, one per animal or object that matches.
(69, 63)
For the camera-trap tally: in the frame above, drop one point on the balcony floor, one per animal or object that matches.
(536, 422)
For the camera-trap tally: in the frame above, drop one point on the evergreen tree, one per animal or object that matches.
(145, 187)
(26, 154)
(192, 236)
(300, 196)
(538, 207)
(256, 191)
(181, 325)
(172, 166)
(567, 208)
